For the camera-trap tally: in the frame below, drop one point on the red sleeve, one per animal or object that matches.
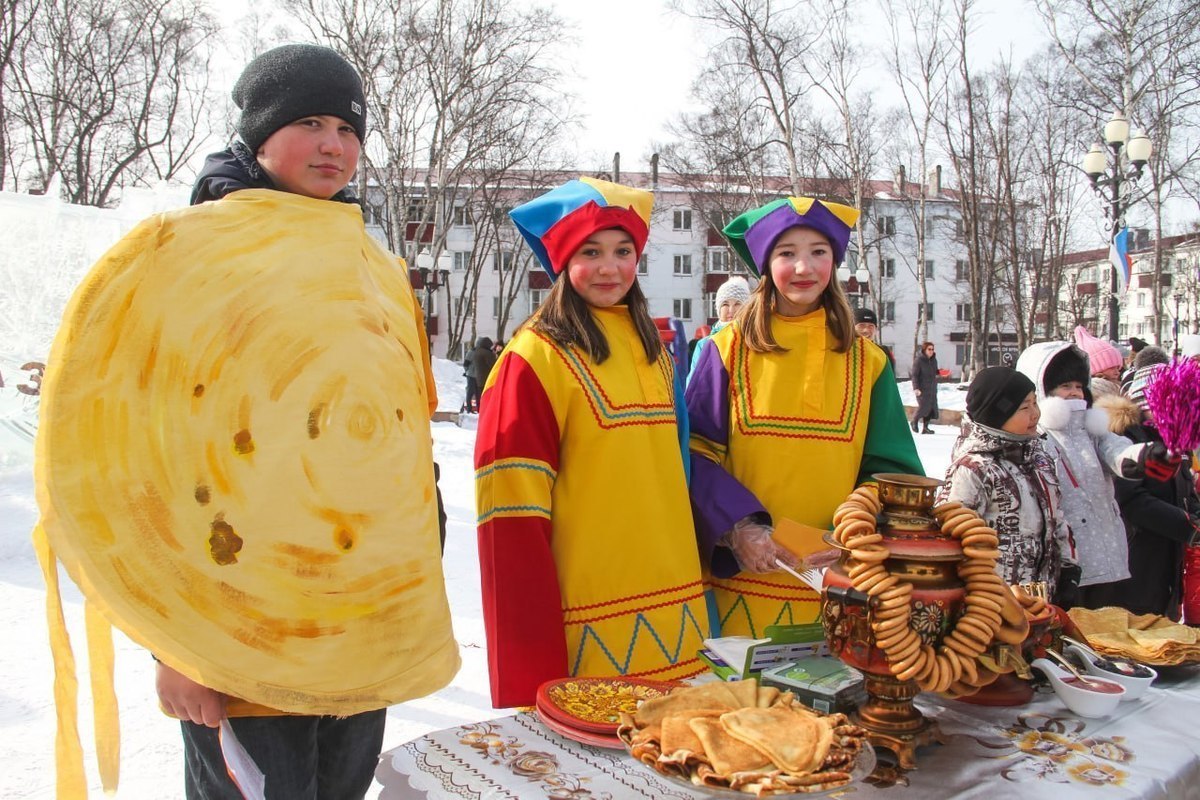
(516, 461)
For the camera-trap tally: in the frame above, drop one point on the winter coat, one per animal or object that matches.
(482, 360)
(1087, 457)
(1158, 522)
(1010, 481)
(924, 380)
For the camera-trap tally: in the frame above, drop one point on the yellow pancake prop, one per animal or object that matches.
(234, 456)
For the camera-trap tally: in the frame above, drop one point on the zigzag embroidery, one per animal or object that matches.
(545, 512)
(607, 413)
(509, 464)
(622, 669)
(841, 429)
(785, 610)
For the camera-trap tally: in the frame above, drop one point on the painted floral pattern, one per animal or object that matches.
(533, 765)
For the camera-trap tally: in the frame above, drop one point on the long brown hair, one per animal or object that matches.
(566, 318)
(755, 317)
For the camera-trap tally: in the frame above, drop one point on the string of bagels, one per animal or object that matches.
(993, 611)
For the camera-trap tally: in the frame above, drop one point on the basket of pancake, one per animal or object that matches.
(1148, 638)
(741, 737)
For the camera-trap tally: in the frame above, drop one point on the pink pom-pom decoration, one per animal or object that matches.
(1173, 397)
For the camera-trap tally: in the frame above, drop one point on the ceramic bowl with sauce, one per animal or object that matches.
(1136, 678)
(1090, 697)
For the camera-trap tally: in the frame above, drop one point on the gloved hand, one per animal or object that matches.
(1158, 463)
(754, 548)
(1066, 591)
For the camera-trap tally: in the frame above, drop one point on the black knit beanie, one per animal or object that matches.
(1068, 364)
(996, 394)
(294, 81)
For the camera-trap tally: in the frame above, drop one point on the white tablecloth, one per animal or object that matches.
(1147, 748)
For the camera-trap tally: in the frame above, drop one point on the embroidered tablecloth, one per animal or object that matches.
(1147, 748)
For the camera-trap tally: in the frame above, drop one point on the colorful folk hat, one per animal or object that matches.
(557, 223)
(753, 234)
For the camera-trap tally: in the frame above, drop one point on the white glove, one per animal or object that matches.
(754, 548)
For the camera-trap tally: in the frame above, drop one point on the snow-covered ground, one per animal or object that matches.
(151, 761)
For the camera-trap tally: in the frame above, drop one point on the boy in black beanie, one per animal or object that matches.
(999, 470)
(291, 586)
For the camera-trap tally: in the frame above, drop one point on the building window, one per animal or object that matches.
(718, 260)
(929, 226)
(710, 304)
(682, 307)
(682, 219)
(1141, 301)
(961, 272)
(889, 311)
(928, 311)
(886, 226)
(1141, 328)
(960, 354)
(536, 298)
(928, 269)
(462, 260)
(462, 217)
(888, 268)
(1122, 330)
(496, 308)
(683, 264)
(1087, 275)
(959, 229)
(502, 261)
(644, 265)
(502, 217)
(962, 313)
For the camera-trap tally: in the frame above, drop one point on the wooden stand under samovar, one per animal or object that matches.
(923, 556)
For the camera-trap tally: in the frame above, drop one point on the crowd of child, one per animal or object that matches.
(622, 518)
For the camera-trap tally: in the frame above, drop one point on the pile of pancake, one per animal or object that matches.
(743, 736)
(1149, 638)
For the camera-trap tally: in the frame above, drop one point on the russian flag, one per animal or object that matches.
(1118, 256)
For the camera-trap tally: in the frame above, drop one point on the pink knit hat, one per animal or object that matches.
(1101, 354)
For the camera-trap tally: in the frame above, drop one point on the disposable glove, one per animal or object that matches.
(754, 548)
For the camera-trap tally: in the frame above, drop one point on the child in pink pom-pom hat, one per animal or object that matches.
(1105, 362)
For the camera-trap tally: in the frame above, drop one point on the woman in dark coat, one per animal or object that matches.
(1160, 521)
(924, 381)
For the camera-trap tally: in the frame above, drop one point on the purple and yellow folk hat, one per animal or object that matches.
(753, 234)
(557, 223)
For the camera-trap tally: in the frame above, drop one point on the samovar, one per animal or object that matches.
(922, 555)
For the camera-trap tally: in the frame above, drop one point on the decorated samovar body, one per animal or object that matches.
(924, 557)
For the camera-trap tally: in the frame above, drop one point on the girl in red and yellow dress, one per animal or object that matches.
(789, 411)
(588, 560)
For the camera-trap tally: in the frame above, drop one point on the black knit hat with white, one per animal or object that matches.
(996, 394)
(295, 81)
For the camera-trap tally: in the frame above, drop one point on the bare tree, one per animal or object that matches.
(109, 94)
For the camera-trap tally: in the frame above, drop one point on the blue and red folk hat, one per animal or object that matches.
(557, 223)
(753, 234)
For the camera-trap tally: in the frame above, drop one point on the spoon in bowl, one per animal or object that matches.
(1069, 667)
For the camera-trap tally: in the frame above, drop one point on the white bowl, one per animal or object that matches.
(1134, 687)
(1083, 701)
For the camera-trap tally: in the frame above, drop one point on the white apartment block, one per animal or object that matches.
(1086, 290)
(686, 261)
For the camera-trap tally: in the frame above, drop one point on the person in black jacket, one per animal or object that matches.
(481, 360)
(924, 381)
(1161, 515)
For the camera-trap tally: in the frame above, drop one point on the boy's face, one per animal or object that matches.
(1069, 390)
(313, 156)
(1024, 420)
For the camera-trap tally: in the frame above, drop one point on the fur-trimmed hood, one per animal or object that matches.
(1122, 412)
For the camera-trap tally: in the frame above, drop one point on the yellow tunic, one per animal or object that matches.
(790, 433)
(586, 541)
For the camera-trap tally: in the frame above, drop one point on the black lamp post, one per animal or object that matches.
(861, 276)
(1111, 172)
(432, 279)
(1178, 298)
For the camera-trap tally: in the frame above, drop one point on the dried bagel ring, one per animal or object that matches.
(908, 668)
(880, 626)
(981, 552)
(901, 593)
(951, 665)
(970, 670)
(861, 568)
(878, 584)
(906, 647)
(890, 642)
(870, 495)
(929, 676)
(857, 541)
(945, 508)
(976, 628)
(981, 541)
(891, 611)
(961, 645)
(986, 615)
(958, 530)
(871, 553)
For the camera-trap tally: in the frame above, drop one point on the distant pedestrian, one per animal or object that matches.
(479, 365)
(924, 382)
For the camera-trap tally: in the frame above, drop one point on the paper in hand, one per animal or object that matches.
(241, 767)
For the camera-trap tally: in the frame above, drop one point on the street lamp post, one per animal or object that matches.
(1111, 173)
(432, 279)
(1178, 298)
(861, 276)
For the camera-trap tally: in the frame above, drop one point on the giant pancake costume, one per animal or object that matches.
(234, 460)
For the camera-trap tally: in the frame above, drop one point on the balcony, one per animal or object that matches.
(1086, 288)
(1144, 280)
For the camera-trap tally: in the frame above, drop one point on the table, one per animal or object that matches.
(1147, 748)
